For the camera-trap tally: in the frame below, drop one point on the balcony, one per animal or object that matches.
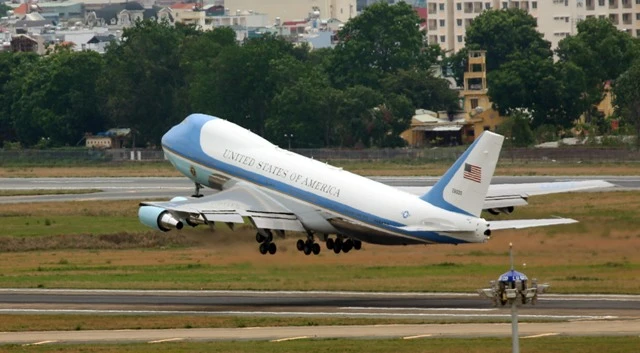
(626, 4)
(433, 8)
(626, 18)
(613, 4)
(590, 4)
(614, 19)
(468, 7)
(433, 25)
(477, 7)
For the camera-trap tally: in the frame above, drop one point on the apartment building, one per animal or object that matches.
(557, 19)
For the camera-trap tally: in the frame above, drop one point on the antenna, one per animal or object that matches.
(511, 255)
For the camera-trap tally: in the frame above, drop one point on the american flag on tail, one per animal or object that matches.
(473, 172)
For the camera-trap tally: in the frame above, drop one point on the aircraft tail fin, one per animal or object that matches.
(463, 188)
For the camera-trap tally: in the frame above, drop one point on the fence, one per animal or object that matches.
(514, 155)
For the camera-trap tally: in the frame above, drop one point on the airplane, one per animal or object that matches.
(279, 191)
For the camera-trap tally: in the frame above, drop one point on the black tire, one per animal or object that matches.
(260, 238)
(337, 247)
(347, 246)
(316, 248)
(300, 245)
(263, 248)
(330, 243)
(357, 244)
(307, 249)
(272, 248)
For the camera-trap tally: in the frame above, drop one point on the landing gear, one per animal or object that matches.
(343, 245)
(266, 243)
(197, 192)
(309, 246)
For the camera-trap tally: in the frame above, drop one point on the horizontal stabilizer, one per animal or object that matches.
(528, 223)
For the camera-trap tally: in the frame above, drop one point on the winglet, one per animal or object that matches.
(464, 186)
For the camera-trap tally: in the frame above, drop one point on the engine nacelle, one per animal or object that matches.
(158, 218)
(505, 210)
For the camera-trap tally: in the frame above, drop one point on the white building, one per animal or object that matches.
(449, 19)
(342, 10)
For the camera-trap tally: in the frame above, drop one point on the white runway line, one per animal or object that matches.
(40, 343)
(290, 339)
(412, 309)
(303, 314)
(542, 335)
(167, 340)
(416, 336)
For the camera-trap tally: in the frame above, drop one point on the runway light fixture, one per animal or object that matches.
(512, 287)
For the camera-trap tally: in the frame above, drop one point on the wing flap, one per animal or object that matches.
(528, 223)
(231, 205)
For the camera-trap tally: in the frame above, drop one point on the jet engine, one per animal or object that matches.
(158, 218)
(505, 210)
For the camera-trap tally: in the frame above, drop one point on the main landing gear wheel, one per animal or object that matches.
(309, 246)
(343, 245)
(266, 243)
(330, 243)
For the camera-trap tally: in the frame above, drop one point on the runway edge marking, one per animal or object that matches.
(167, 340)
(543, 335)
(289, 339)
(417, 336)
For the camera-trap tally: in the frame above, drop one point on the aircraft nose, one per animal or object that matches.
(186, 133)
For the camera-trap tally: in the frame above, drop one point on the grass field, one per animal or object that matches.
(100, 245)
(622, 344)
(48, 322)
(46, 192)
(369, 168)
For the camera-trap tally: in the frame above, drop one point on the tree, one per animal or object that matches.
(58, 99)
(244, 85)
(13, 67)
(382, 39)
(422, 89)
(602, 52)
(505, 32)
(626, 92)
(143, 83)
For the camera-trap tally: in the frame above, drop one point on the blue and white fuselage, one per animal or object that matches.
(219, 154)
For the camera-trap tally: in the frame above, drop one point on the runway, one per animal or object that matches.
(309, 303)
(128, 188)
(562, 314)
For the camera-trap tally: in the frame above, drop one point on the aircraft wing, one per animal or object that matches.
(507, 195)
(231, 205)
(528, 223)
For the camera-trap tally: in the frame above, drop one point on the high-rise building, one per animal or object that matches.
(448, 19)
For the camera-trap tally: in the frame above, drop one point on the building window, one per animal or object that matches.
(534, 5)
(638, 16)
(637, 32)
(471, 133)
(459, 39)
(459, 22)
(487, 5)
(600, 2)
(441, 23)
(487, 128)
(505, 4)
(442, 7)
(474, 104)
(459, 6)
(442, 39)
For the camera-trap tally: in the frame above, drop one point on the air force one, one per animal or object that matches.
(279, 191)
